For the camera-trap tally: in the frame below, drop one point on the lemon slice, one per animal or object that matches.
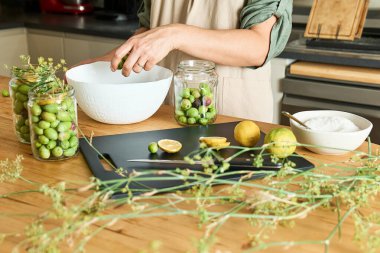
(222, 145)
(169, 146)
(213, 141)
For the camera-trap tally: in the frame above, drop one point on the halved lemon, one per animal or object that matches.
(169, 146)
(222, 145)
(213, 141)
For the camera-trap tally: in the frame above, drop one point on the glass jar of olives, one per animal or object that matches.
(53, 124)
(24, 78)
(195, 87)
(18, 90)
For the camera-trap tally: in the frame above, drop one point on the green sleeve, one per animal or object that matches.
(258, 11)
(143, 13)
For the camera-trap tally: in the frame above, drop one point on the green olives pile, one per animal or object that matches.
(19, 94)
(53, 128)
(196, 106)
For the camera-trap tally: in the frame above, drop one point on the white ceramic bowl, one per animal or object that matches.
(332, 143)
(112, 98)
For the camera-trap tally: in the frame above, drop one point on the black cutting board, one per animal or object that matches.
(122, 147)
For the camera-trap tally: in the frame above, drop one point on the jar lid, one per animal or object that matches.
(196, 65)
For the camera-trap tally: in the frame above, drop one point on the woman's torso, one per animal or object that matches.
(242, 92)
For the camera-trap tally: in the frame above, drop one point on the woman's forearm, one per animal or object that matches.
(238, 47)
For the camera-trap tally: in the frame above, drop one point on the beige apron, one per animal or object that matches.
(242, 92)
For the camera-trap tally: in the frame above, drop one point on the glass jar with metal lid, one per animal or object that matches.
(195, 92)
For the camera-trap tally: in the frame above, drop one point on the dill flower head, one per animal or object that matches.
(11, 170)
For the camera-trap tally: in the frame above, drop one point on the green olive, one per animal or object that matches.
(65, 144)
(35, 119)
(24, 129)
(182, 119)
(64, 136)
(26, 137)
(51, 133)
(121, 63)
(153, 147)
(55, 123)
(192, 98)
(37, 144)
(43, 124)
(69, 152)
(202, 109)
(74, 142)
(52, 144)
(52, 108)
(37, 130)
(179, 113)
(192, 113)
(191, 121)
(185, 104)
(185, 93)
(21, 97)
(196, 93)
(203, 121)
(64, 106)
(5, 93)
(18, 107)
(73, 133)
(210, 115)
(44, 152)
(48, 116)
(69, 101)
(36, 110)
(23, 89)
(63, 126)
(57, 152)
(43, 139)
(211, 108)
(63, 116)
(20, 122)
(204, 86)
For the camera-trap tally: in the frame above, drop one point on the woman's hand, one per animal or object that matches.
(108, 56)
(145, 49)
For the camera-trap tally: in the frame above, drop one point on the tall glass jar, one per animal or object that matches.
(195, 92)
(19, 88)
(53, 124)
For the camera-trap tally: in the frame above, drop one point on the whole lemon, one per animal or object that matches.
(247, 133)
(284, 142)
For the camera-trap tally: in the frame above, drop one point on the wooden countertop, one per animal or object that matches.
(176, 233)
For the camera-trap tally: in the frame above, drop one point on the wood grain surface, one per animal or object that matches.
(177, 233)
(336, 19)
(336, 72)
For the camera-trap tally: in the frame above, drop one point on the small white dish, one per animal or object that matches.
(331, 143)
(112, 98)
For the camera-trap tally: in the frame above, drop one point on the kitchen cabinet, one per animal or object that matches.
(71, 47)
(46, 44)
(80, 47)
(13, 43)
